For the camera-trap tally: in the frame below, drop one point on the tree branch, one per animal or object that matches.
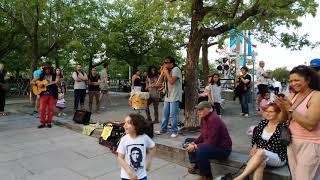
(236, 8)
(254, 10)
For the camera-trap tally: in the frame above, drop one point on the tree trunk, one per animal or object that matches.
(205, 61)
(193, 51)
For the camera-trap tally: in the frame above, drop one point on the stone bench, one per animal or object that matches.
(231, 165)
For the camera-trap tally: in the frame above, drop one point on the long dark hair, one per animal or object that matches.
(150, 74)
(309, 75)
(212, 81)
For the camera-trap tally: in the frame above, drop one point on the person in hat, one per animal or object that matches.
(214, 142)
(48, 96)
(315, 64)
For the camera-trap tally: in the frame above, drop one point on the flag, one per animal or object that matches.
(249, 45)
(233, 40)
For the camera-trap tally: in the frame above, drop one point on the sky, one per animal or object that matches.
(281, 57)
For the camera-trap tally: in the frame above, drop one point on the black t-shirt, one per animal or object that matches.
(245, 87)
(94, 79)
(51, 89)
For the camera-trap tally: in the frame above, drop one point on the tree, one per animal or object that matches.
(211, 19)
(280, 74)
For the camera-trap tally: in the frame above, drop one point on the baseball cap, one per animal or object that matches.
(203, 104)
(315, 63)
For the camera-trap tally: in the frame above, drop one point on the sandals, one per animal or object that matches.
(3, 114)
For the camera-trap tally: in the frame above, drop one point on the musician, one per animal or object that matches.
(172, 77)
(48, 96)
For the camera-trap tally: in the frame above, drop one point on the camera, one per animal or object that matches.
(281, 95)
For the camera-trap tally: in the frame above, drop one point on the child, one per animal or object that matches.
(135, 150)
(214, 92)
(61, 103)
(265, 101)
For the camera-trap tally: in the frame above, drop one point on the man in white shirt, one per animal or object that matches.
(80, 87)
(261, 81)
(277, 87)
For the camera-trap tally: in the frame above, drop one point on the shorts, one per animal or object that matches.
(273, 159)
(262, 89)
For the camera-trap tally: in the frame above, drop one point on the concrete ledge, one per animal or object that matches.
(179, 156)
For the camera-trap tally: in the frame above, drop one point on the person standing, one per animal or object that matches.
(48, 96)
(136, 81)
(79, 87)
(302, 109)
(277, 87)
(262, 81)
(104, 84)
(214, 92)
(172, 77)
(152, 79)
(244, 80)
(36, 74)
(3, 90)
(94, 89)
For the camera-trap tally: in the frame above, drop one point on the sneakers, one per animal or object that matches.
(246, 115)
(241, 114)
(59, 114)
(157, 132)
(64, 114)
(173, 135)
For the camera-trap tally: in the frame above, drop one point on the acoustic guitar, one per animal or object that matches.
(41, 86)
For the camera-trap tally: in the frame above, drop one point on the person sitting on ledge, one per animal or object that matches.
(267, 148)
(214, 142)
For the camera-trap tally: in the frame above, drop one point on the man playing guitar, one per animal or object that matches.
(48, 96)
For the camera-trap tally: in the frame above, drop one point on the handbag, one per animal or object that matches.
(285, 135)
(82, 117)
(111, 135)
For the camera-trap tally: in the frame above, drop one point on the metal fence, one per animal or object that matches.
(19, 87)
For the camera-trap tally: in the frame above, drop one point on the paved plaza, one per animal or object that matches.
(29, 153)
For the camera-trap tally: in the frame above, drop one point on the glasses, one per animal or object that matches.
(269, 111)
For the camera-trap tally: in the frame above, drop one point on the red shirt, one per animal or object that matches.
(213, 132)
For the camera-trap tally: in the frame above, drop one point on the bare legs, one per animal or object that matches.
(255, 165)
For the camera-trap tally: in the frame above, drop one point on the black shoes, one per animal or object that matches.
(41, 126)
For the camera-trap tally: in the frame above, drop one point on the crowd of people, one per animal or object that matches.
(297, 112)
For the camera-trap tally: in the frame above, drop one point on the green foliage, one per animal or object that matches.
(280, 74)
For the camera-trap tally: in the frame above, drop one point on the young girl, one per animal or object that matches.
(61, 102)
(135, 150)
(265, 101)
(214, 92)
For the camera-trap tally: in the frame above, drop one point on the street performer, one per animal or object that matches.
(172, 77)
(48, 96)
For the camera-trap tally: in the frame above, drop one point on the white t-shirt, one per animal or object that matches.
(215, 91)
(135, 153)
(277, 84)
(260, 79)
(79, 84)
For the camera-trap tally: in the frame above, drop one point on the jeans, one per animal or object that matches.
(204, 154)
(155, 102)
(145, 178)
(244, 101)
(170, 109)
(79, 96)
(94, 94)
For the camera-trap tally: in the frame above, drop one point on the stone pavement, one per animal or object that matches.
(28, 153)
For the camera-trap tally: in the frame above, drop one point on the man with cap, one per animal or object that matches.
(214, 142)
(315, 64)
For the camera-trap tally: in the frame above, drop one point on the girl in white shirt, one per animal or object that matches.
(214, 92)
(61, 103)
(135, 150)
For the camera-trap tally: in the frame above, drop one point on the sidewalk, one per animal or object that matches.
(28, 153)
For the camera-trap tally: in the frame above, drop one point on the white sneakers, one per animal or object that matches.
(62, 114)
(173, 135)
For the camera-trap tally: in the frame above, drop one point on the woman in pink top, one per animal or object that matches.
(302, 108)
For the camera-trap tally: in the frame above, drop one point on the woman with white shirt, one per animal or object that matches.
(266, 146)
(214, 92)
